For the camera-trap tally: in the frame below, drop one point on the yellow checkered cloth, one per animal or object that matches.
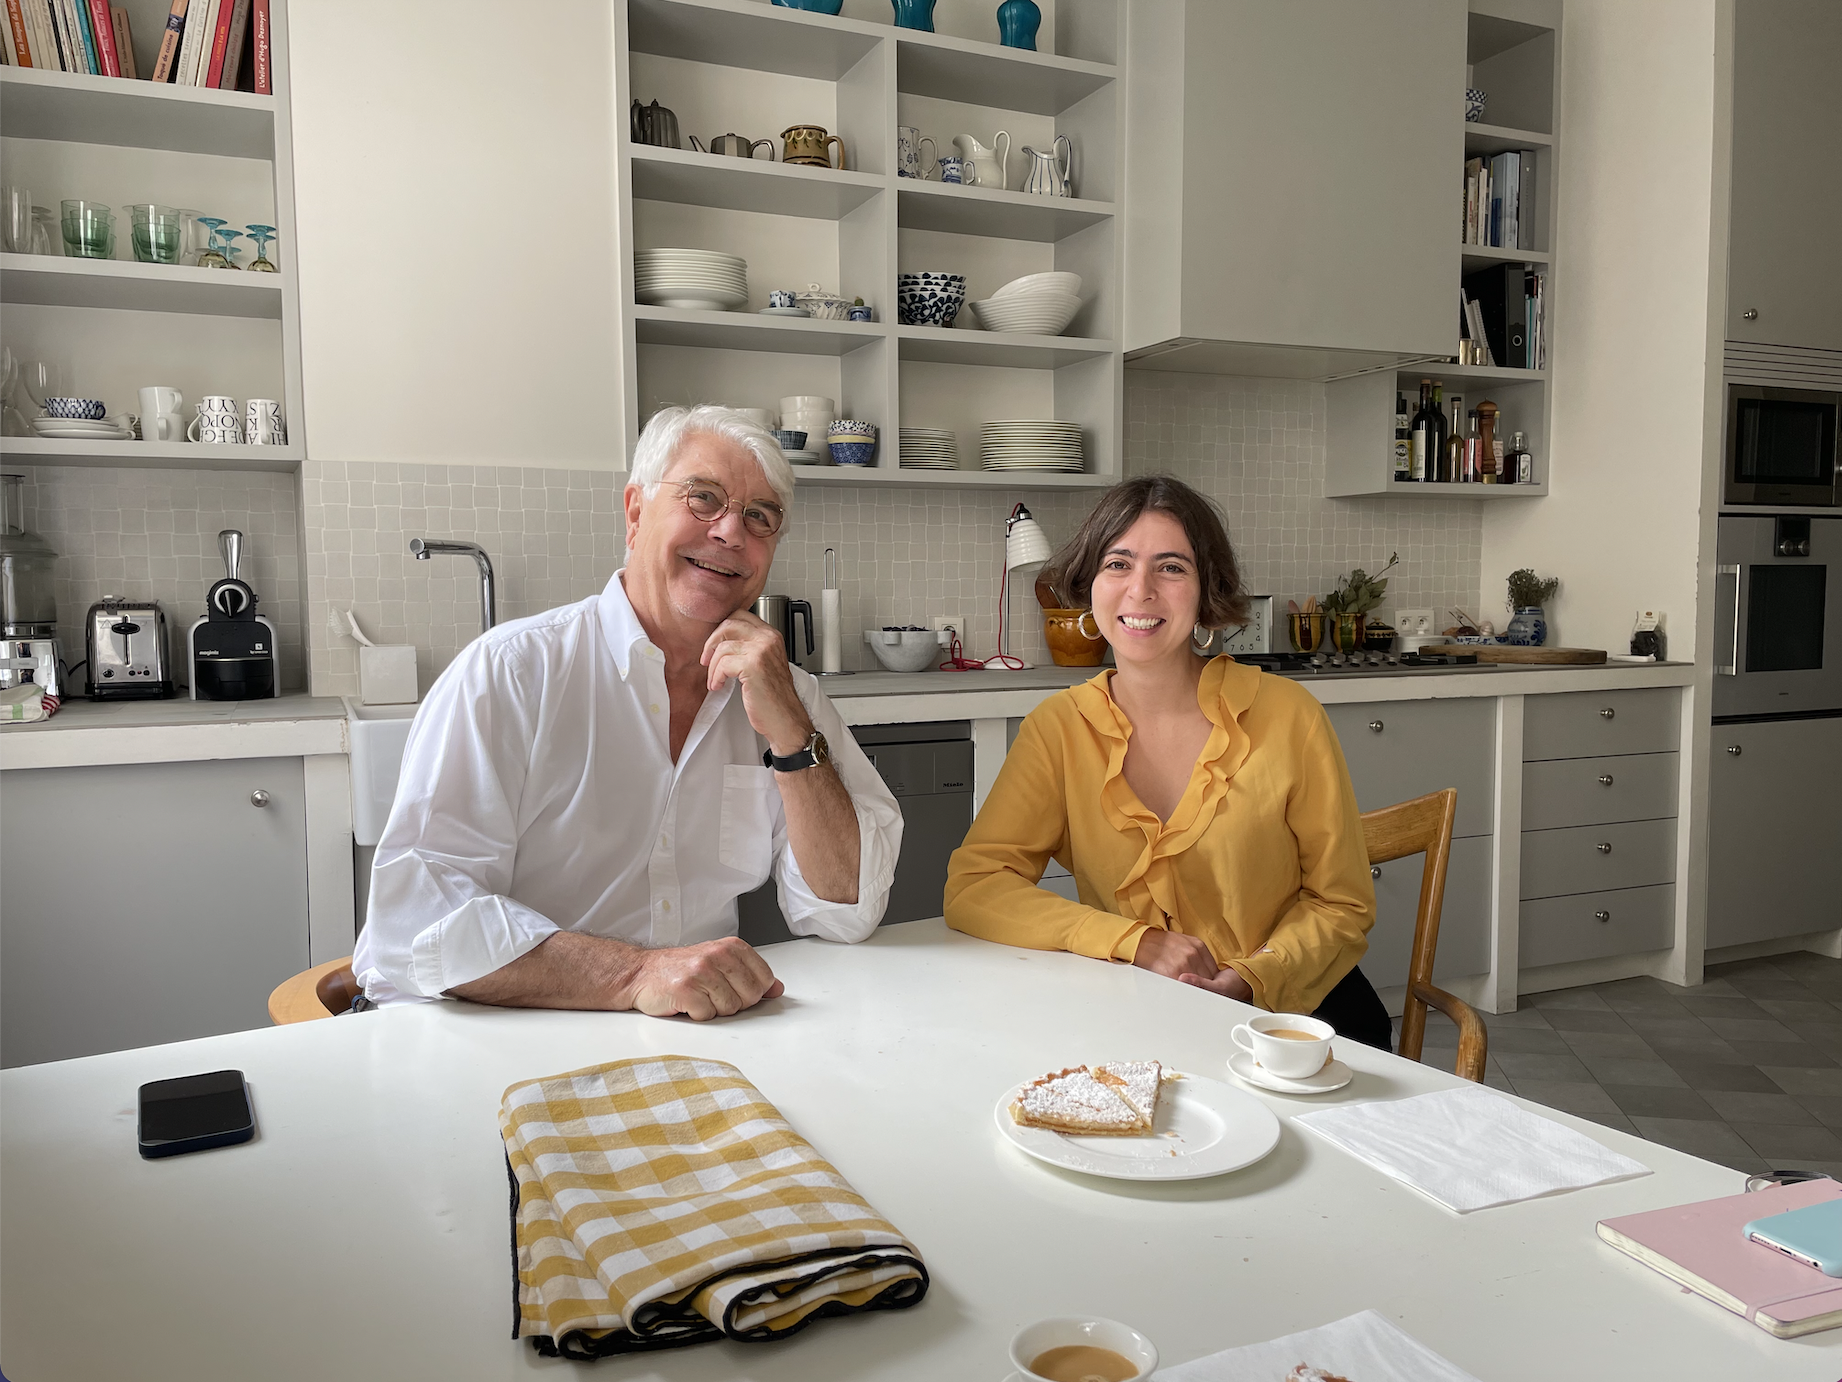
(661, 1202)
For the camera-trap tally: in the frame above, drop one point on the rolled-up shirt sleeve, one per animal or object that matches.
(440, 914)
(879, 838)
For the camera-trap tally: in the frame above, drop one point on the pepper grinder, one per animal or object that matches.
(1490, 456)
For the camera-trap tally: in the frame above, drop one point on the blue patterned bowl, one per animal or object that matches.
(1474, 104)
(790, 441)
(81, 409)
(853, 452)
(929, 299)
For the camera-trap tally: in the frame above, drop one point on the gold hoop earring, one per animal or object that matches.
(1081, 626)
(1202, 644)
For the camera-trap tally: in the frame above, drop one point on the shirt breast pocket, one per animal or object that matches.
(745, 840)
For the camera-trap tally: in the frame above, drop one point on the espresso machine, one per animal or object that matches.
(232, 648)
(28, 611)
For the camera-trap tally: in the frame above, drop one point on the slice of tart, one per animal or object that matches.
(1139, 1081)
(1075, 1101)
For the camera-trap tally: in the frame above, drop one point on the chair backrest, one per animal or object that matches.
(1424, 826)
(326, 990)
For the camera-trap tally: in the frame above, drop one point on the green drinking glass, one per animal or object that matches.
(89, 230)
(156, 232)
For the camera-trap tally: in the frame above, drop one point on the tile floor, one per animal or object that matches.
(1744, 1070)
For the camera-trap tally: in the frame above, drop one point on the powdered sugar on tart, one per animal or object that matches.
(1139, 1081)
(1116, 1099)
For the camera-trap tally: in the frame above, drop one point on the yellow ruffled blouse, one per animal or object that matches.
(1262, 859)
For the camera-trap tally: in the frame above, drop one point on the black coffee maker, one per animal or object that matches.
(233, 653)
(780, 612)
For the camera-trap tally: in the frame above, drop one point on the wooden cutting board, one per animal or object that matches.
(1502, 652)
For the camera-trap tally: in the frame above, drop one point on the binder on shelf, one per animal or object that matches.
(1503, 304)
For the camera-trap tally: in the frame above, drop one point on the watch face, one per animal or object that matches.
(821, 751)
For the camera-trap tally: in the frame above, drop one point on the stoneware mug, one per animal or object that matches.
(262, 424)
(957, 170)
(217, 422)
(1296, 1056)
(160, 420)
(811, 145)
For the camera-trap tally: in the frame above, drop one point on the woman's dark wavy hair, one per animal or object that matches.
(1074, 567)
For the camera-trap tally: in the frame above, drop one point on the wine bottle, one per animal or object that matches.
(1480, 469)
(1437, 430)
(1521, 464)
(1454, 468)
(1403, 440)
(1422, 433)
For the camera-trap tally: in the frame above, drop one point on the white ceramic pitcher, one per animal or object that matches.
(988, 165)
(1047, 171)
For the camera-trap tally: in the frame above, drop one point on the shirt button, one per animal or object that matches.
(666, 905)
(655, 707)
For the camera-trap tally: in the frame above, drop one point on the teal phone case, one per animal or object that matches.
(1812, 1234)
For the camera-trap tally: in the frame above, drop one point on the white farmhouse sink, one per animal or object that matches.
(378, 734)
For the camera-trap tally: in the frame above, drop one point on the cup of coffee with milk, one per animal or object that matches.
(1082, 1348)
(1289, 1045)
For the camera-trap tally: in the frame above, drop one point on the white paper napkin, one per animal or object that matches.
(1470, 1149)
(1364, 1346)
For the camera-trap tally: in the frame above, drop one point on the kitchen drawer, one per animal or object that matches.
(1591, 791)
(1591, 724)
(1555, 930)
(1398, 750)
(1464, 925)
(1593, 858)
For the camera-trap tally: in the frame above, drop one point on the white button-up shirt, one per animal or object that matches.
(538, 794)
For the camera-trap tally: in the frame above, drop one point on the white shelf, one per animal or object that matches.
(1483, 256)
(751, 331)
(45, 280)
(1007, 215)
(135, 114)
(738, 184)
(1481, 138)
(142, 455)
(1438, 490)
(989, 74)
(750, 34)
(1472, 374)
(940, 345)
(896, 478)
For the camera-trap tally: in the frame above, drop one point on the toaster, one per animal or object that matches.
(127, 646)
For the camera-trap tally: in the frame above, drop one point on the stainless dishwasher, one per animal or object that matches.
(929, 768)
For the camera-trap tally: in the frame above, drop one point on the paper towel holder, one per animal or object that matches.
(831, 637)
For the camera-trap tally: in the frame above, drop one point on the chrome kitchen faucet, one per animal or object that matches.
(422, 548)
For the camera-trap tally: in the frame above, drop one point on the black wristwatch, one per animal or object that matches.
(816, 751)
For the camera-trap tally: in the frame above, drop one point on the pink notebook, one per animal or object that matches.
(1701, 1246)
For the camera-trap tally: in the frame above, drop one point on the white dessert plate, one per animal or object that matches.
(1334, 1075)
(1204, 1128)
(84, 431)
(782, 312)
(806, 458)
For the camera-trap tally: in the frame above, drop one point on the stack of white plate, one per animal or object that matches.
(929, 448)
(1032, 444)
(702, 279)
(1034, 305)
(78, 429)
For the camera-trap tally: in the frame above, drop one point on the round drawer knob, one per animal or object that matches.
(1604, 846)
(1608, 713)
(259, 798)
(1751, 314)
(1602, 916)
(1375, 870)
(1605, 779)
(1734, 749)
(1376, 725)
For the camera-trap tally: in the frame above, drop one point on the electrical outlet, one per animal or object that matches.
(956, 622)
(1410, 623)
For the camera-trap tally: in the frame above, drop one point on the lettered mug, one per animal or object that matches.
(262, 424)
(1287, 1044)
(216, 423)
(160, 420)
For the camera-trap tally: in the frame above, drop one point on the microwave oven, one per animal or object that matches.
(1781, 447)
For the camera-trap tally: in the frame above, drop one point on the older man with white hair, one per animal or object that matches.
(586, 792)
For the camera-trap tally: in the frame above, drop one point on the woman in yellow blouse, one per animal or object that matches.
(1202, 806)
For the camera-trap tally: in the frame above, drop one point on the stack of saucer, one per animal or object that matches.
(1032, 444)
(703, 279)
(84, 429)
(929, 448)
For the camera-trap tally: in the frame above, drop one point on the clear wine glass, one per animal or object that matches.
(262, 235)
(209, 257)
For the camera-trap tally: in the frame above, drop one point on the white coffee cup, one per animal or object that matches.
(1289, 1057)
(160, 420)
(262, 424)
(1068, 1331)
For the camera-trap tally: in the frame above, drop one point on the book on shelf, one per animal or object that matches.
(1500, 209)
(259, 47)
(21, 45)
(169, 42)
(102, 30)
(198, 15)
(220, 40)
(124, 42)
(238, 32)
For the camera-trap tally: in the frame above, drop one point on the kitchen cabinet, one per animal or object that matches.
(1464, 917)
(1783, 287)
(1293, 183)
(147, 903)
(1774, 798)
(1586, 926)
(1399, 750)
(1585, 724)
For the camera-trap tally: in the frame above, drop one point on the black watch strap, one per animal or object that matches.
(815, 752)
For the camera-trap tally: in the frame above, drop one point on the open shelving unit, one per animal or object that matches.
(1516, 63)
(746, 66)
(113, 326)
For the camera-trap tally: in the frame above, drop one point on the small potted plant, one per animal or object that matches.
(1349, 604)
(1528, 596)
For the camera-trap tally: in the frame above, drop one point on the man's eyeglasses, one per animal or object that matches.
(709, 501)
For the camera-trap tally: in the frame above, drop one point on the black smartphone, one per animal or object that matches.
(194, 1113)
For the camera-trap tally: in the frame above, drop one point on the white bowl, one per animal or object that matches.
(904, 650)
(1059, 282)
(1037, 317)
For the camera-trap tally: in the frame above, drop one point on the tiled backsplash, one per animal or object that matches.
(153, 533)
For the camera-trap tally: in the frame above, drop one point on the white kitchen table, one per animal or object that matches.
(364, 1233)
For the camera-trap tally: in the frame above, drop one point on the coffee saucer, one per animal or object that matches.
(1334, 1075)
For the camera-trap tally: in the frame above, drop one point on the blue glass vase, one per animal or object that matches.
(812, 6)
(1528, 629)
(914, 14)
(1018, 21)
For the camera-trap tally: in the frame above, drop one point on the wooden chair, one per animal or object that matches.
(1424, 826)
(323, 991)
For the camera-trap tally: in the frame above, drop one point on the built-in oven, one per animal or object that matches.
(1781, 446)
(1778, 616)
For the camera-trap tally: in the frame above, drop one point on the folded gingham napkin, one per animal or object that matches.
(662, 1202)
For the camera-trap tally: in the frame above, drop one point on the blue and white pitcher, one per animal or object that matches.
(1046, 171)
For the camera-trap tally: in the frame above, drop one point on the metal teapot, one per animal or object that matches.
(654, 124)
(1047, 171)
(735, 145)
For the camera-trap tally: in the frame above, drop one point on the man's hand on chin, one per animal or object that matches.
(711, 979)
(754, 653)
